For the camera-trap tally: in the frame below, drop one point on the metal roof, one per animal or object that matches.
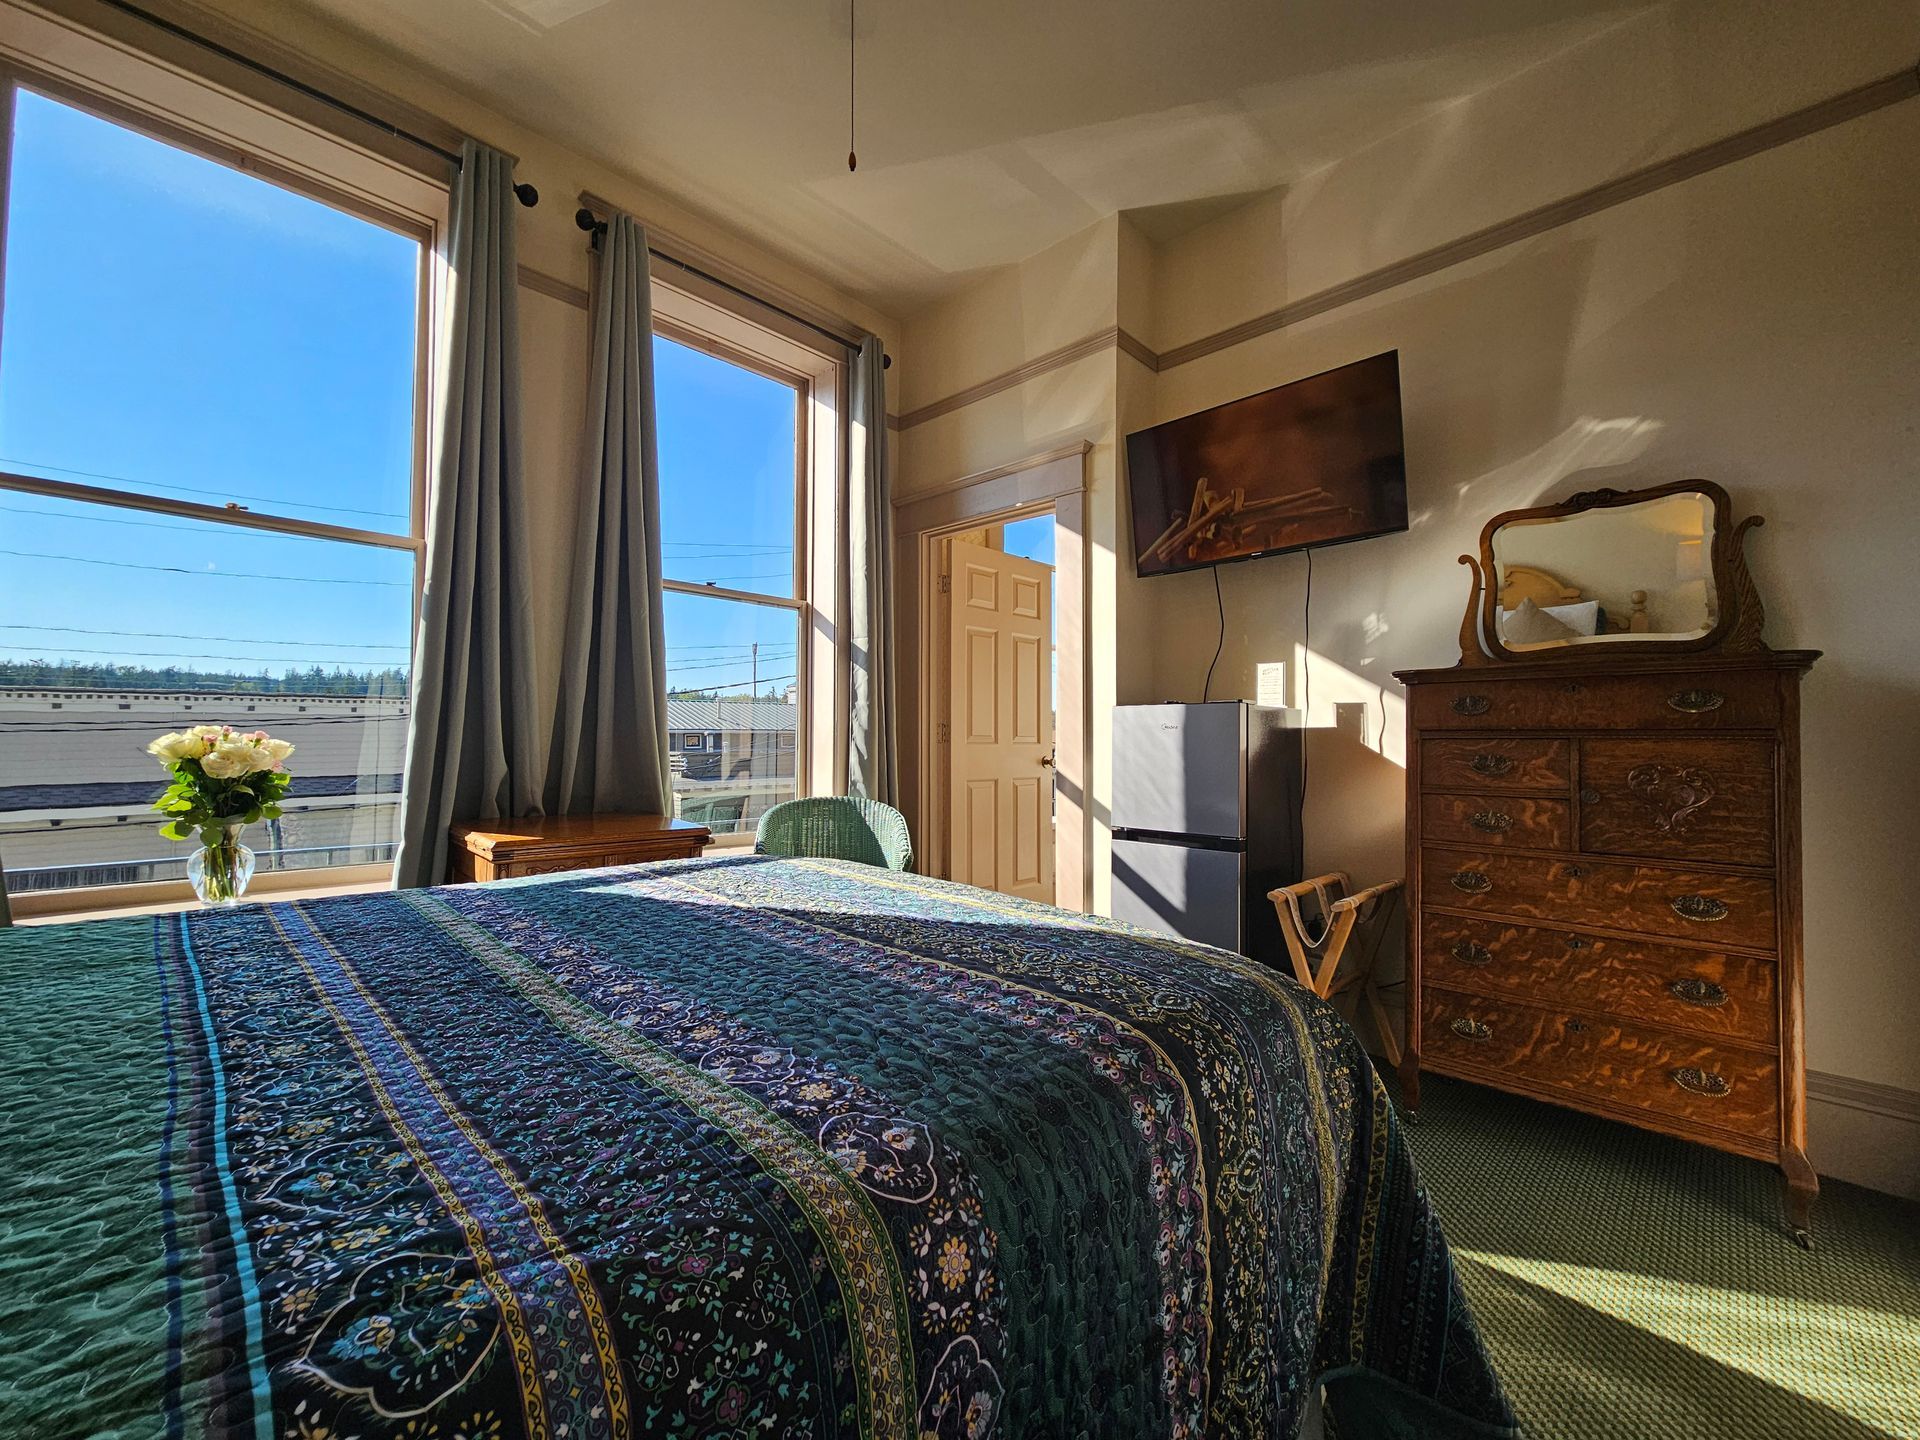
(731, 714)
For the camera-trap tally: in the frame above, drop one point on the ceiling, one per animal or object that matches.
(987, 129)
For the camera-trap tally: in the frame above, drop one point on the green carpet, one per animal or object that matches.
(1634, 1286)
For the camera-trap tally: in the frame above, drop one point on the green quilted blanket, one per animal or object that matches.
(742, 1147)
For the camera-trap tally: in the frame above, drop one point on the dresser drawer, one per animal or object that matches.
(1679, 700)
(1524, 820)
(1726, 909)
(1678, 797)
(1702, 1082)
(1730, 997)
(1494, 764)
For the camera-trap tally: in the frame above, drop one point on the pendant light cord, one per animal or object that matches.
(853, 161)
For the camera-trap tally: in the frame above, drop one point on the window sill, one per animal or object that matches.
(109, 901)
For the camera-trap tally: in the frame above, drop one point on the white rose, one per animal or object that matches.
(277, 750)
(224, 764)
(249, 755)
(208, 732)
(173, 746)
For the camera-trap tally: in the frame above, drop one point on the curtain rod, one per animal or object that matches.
(595, 227)
(526, 193)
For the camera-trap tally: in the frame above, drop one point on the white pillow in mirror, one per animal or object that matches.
(1530, 625)
(1582, 619)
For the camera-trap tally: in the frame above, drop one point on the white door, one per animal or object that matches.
(1000, 722)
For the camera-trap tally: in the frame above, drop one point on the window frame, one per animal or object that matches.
(260, 152)
(818, 380)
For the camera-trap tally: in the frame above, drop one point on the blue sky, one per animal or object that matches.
(179, 327)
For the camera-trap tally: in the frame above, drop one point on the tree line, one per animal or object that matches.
(313, 680)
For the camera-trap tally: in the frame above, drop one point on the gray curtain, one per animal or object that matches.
(471, 746)
(873, 756)
(610, 736)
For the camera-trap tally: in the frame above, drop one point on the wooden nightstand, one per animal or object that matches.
(501, 849)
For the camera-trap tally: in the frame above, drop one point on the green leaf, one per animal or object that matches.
(176, 830)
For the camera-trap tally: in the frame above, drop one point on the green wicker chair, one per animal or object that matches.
(834, 827)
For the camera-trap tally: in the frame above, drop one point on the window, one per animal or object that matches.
(731, 481)
(209, 496)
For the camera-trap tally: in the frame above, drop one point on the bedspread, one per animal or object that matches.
(732, 1147)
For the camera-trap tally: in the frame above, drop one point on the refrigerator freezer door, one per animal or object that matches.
(1179, 890)
(1176, 769)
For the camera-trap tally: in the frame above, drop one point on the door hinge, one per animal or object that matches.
(946, 584)
(942, 732)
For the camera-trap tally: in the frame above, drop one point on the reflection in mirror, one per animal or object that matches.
(1627, 572)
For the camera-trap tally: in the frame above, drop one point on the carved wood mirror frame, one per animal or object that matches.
(1735, 631)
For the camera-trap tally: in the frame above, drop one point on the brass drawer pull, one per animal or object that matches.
(1696, 702)
(1589, 797)
(1490, 765)
(1470, 882)
(1468, 953)
(1703, 908)
(1695, 991)
(1470, 1029)
(1494, 822)
(1702, 1082)
(1472, 705)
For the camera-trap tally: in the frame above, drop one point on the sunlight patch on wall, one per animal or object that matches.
(1372, 712)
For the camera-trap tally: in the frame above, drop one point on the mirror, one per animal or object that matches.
(1622, 568)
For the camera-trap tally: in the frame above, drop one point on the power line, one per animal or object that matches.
(213, 574)
(137, 486)
(703, 689)
(105, 519)
(723, 545)
(176, 635)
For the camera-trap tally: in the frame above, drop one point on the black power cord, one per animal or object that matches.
(1221, 644)
(1306, 679)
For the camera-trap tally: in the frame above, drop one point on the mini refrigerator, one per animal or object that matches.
(1206, 820)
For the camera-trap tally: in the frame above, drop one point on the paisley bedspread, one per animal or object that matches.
(739, 1147)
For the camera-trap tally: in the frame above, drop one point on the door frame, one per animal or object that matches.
(1055, 483)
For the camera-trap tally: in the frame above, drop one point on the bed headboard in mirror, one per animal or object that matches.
(1659, 569)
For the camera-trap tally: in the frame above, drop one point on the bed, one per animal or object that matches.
(746, 1147)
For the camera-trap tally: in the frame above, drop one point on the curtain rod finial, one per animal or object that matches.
(528, 196)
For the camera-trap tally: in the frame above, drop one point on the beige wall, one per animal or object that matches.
(1009, 316)
(1758, 325)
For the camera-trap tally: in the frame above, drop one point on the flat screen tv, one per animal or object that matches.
(1317, 462)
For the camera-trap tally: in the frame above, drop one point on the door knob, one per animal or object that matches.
(1046, 762)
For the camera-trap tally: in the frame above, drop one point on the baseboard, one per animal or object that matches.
(1864, 1133)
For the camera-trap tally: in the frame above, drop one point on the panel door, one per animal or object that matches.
(1000, 722)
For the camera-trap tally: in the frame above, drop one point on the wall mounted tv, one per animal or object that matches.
(1317, 462)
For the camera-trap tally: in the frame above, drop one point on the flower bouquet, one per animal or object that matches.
(223, 781)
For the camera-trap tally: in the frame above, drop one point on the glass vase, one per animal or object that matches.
(221, 872)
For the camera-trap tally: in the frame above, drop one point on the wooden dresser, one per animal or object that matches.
(1603, 881)
(503, 849)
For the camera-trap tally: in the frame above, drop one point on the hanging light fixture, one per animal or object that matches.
(853, 161)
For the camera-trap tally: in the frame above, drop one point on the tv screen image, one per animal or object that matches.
(1316, 462)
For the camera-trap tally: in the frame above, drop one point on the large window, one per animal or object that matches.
(209, 496)
(730, 483)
